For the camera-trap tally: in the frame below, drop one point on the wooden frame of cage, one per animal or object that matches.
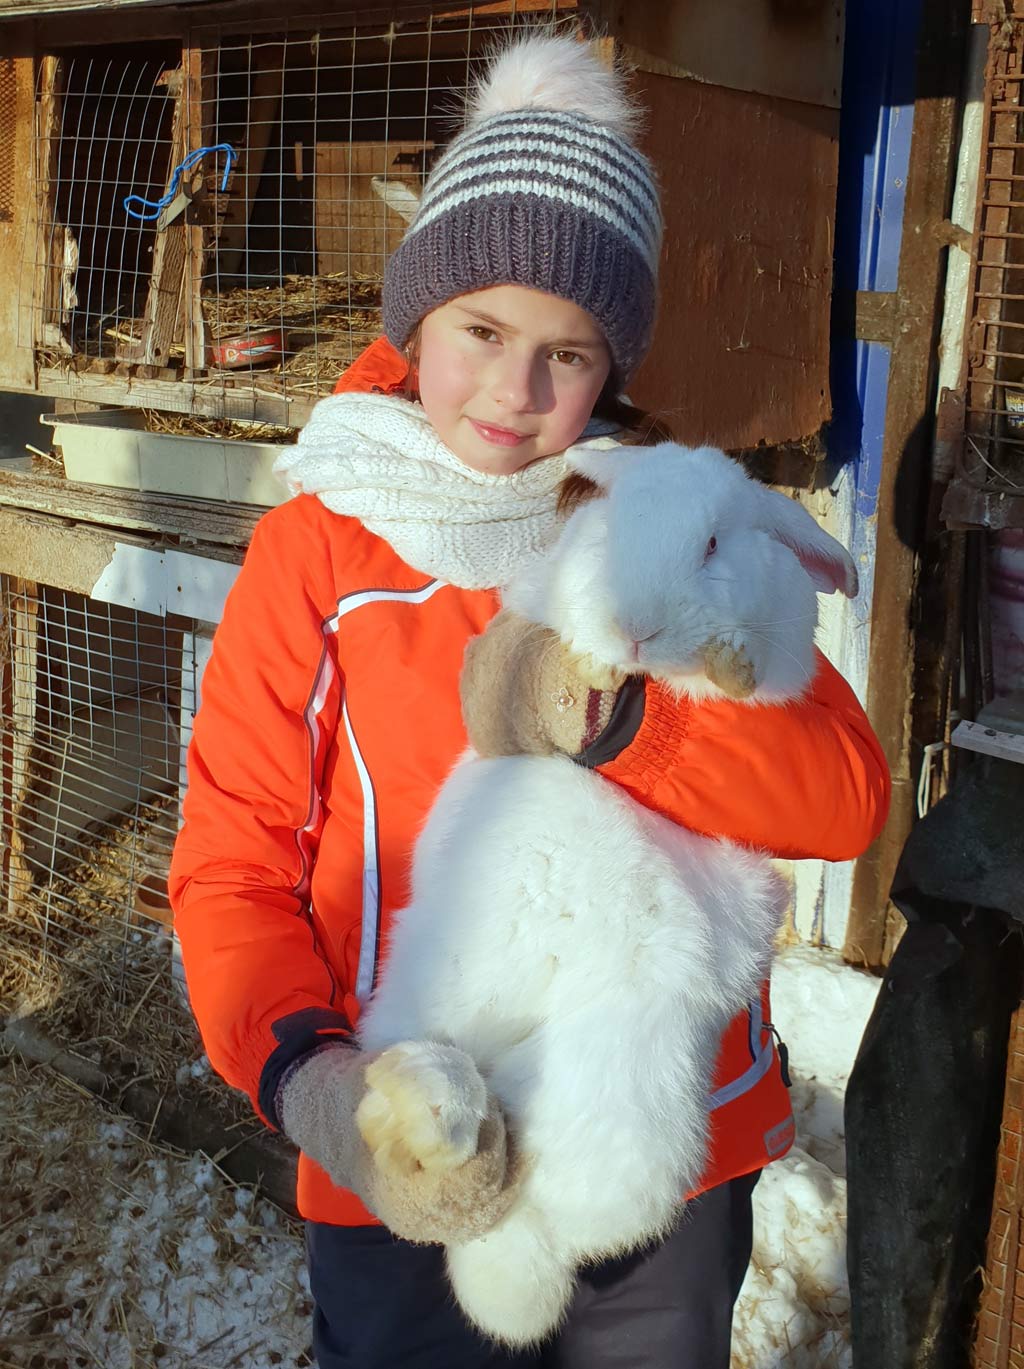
(42, 550)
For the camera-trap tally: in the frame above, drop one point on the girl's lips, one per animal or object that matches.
(500, 437)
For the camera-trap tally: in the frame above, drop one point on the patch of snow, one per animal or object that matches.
(793, 1311)
(127, 1256)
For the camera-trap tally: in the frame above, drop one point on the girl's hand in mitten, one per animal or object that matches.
(524, 692)
(412, 1130)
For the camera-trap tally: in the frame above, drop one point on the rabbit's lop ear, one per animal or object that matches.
(603, 460)
(825, 560)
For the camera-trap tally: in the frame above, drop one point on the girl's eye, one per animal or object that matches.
(567, 358)
(477, 330)
(711, 547)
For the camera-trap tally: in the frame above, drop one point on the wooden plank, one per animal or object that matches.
(741, 347)
(263, 117)
(355, 230)
(70, 556)
(12, 8)
(792, 51)
(988, 741)
(198, 98)
(21, 700)
(162, 322)
(51, 551)
(17, 219)
(169, 515)
(178, 396)
(71, 28)
(49, 235)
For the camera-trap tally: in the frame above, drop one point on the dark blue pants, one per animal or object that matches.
(382, 1303)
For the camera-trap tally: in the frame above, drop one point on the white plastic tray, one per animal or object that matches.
(112, 448)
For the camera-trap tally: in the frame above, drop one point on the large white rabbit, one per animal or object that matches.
(582, 954)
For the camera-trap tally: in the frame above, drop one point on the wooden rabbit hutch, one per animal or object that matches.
(214, 203)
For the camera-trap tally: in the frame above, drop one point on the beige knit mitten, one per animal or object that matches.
(524, 692)
(411, 1130)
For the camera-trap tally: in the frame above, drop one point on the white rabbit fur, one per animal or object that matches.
(584, 951)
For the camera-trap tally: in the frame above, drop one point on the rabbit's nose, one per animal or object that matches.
(637, 635)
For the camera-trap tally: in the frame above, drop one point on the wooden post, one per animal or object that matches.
(198, 93)
(162, 322)
(18, 725)
(49, 235)
(17, 212)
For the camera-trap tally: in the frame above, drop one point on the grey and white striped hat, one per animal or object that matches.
(544, 188)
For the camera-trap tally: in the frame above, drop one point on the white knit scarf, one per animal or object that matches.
(378, 459)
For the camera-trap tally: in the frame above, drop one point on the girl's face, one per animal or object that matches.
(509, 375)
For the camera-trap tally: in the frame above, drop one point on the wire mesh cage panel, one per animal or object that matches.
(990, 468)
(97, 712)
(104, 129)
(221, 214)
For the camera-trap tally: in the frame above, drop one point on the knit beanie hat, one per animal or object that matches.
(543, 188)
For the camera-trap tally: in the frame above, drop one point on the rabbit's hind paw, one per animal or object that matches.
(423, 1106)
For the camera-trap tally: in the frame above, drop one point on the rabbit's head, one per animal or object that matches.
(688, 571)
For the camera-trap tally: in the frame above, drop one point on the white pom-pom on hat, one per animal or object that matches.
(545, 71)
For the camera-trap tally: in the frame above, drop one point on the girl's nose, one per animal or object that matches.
(514, 386)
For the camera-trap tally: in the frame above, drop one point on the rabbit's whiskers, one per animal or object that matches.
(773, 641)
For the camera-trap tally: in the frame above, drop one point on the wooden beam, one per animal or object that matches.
(13, 8)
(49, 235)
(17, 217)
(179, 396)
(18, 720)
(198, 95)
(162, 321)
(71, 556)
(195, 520)
(71, 28)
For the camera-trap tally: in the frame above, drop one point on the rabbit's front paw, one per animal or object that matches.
(728, 664)
(422, 1109)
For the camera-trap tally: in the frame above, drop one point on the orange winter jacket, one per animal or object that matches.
(329, 719)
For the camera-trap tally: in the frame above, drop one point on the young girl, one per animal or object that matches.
(520, 302)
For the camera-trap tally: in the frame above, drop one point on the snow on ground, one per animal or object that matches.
(793, 1312)
(115, 1254)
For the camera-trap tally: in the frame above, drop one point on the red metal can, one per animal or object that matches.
(247, 349)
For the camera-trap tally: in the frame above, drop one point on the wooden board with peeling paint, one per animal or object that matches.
(741, 349)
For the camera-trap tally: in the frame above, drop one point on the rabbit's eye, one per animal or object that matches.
(711, 546)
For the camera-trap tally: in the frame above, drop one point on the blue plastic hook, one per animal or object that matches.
(156, 207)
